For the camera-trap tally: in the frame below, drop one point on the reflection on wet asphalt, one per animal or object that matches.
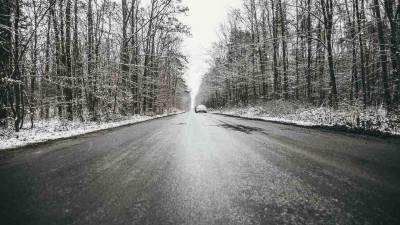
(204, 169)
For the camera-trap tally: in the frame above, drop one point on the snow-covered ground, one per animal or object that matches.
(369, 119)
(47, 130)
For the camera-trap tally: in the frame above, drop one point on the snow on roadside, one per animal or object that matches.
(55, 129)
(369, 119)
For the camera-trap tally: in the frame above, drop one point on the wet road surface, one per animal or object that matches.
(204, 169)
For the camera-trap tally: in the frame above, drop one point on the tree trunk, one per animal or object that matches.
(5, 56)
(62, 66)
(283, 32)
(68, 88)
(309, 88)
(147, 59)
(383, 57)
(361, 44)
(77, 65)
(263, 58)
(134, 59)
(327, 9)
(393, 18)
(17, 74)
(90, 88)
(34, 65)
(275, 46)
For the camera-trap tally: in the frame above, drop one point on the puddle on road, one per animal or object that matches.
(241, 128)
(181, 124)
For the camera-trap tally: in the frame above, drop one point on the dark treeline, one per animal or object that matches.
(88, 59)
(323, 52)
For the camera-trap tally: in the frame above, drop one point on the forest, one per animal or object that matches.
(336, 54)
(90, 59)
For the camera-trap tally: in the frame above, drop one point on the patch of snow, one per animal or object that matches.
(368, 119)
(47, 130)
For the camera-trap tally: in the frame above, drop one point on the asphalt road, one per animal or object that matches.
(203, 169)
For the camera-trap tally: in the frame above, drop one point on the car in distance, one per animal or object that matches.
(200, 108)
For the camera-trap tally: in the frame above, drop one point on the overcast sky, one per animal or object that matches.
(203, 18)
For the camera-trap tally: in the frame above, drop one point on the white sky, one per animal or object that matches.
(203, 18)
